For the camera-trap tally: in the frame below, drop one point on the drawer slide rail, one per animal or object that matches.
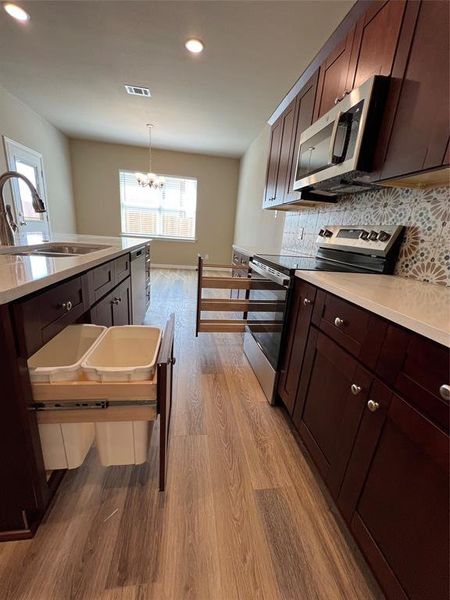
(90, 404)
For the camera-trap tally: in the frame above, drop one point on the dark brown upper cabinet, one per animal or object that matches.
(407, 40)
(375, 41)
(334, 75)
(303, 119)
(420, 130)
(289, 118)
(280, 153)
(273, 164)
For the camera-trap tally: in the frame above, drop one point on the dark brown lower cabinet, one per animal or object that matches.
(331, 398)
(395, 496)
(384, 458)
(115, 308)
(294, 343)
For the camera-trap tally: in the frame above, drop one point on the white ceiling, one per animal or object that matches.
(70, 62)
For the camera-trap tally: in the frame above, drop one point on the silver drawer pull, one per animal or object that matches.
(116, 301)
(372, 405)
(338, 322)
(306, 301)
(67, 305)
(355, 389)
(444, 390)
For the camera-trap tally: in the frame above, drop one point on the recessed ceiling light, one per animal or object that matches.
(16, 12)
(194, 45)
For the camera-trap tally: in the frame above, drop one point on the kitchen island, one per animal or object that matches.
(40, 296)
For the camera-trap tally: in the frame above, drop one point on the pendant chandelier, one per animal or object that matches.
(150, 179)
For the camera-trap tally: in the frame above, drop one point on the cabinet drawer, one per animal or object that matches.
(42, 317)
(101, 280)
(121, 268)
(418, 369)
(355, 329)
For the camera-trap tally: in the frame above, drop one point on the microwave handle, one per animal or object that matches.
(334, 159)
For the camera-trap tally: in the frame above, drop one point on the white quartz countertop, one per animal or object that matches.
(420, 307)
(22, 275)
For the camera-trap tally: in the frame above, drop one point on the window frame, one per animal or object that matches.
(163, 238)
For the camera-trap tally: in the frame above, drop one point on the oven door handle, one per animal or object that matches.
(281, 280)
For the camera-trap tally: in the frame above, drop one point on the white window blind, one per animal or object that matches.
(168, 212)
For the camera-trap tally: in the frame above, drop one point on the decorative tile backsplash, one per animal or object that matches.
(425, 252)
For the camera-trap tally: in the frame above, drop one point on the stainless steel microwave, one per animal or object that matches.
(338, 148)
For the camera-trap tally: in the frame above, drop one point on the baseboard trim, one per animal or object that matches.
(180, 267)
(183, 267)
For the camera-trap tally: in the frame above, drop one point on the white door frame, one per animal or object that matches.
(15, 150)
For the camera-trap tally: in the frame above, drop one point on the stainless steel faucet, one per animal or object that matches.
(7, 224)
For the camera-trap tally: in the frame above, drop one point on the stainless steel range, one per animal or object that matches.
(352, 249)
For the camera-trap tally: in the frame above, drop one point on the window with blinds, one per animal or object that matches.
(168, 212)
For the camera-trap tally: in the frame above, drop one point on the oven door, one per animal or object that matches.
(266, 326)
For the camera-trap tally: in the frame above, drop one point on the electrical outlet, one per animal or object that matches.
(300, 233)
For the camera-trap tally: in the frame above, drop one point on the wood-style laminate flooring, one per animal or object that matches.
(243, 517)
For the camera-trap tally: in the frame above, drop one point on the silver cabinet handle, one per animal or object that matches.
(306, 301)
(372, 405)
(338, 322)
(67, 305)
(339, 98)
(116, 301)
(355, 389)
(444, 390)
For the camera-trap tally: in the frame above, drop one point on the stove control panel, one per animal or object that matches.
(375, 240)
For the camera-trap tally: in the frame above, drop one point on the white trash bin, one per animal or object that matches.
(64, 446)
(123, 443)
(125, 353)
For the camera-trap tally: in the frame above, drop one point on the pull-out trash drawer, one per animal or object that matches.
(64, 446)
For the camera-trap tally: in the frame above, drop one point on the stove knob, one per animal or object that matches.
(373, 236)
(327, 233)
(322, 232)
(383, 236)
(363, 235)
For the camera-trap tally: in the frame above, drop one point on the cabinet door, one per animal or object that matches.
(121, 303)
(333, 76)
(273, 163)
(294, 343)
(330, 403)
(376, 40)
(420, 130)
(395, 495)
(102, 312)
(303, 119)
(287, 142)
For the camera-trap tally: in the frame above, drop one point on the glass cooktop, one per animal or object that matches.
(287, 264)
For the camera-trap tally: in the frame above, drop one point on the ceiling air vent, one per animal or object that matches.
(136, 90)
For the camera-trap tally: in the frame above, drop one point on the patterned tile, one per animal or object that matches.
(425, 252)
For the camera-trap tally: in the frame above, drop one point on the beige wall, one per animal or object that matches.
(20, 123)
(95, 171)
(254, 227)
